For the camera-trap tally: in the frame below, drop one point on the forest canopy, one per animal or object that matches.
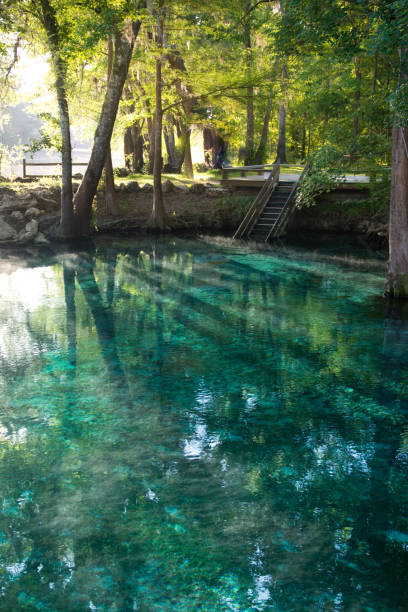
(261, 80)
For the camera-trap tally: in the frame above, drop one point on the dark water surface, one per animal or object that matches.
(192, 427)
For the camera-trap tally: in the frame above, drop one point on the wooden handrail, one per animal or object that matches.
(259, 203)
(26, 164)
(243, 170)
(288, 206)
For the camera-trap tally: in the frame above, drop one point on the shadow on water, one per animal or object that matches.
(261, 459)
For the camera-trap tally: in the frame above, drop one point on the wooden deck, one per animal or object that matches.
(253, 177)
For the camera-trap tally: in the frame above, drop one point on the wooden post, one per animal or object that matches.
(224, 174)
(24, 168)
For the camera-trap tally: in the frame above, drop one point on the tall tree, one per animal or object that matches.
(397, 284)
(110, 195)
(158, 217)
(123, 47)
(48, 18)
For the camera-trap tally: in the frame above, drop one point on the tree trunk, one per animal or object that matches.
(170, 145)
(110, 195)
(249, 139)
(158, 217)
(187, 98)
(303, 147)
(397, 282)
(138, 140)
(214, 145)
(123, 43)
(260, 155)
(281, 148)
(133, 148)
(188, 161)
(49, 20)
(357, 99)
(150, 131)
(375, 70)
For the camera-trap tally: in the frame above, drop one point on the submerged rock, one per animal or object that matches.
(6, 231)
(29, 232)
(40, 239)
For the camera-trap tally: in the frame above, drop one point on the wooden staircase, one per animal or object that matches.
(271, 210)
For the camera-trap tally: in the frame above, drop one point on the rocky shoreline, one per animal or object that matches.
(29, 212)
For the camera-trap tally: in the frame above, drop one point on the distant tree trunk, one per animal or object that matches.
(150, 152)
(281, 148)
(110, 195)
(260, 154)
(49, 20)
(250, 122)
(158, 217)
(148, 114)
(188, 161)
(123, 44)
(170, 142)
(186, 95)
(397, 283)
(357, 100)
(303, 146)
(137, 137)
(214, 144)
(133, 148)
(375, 70)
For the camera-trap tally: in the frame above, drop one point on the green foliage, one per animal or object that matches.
(325, 172)
(399, 105)
(50, 136)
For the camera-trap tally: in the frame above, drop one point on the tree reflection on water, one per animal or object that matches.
(184, 428)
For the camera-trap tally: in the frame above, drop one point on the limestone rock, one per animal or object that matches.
(32, 227)
(121, 172)
(182, 187)
(6, 191)
(216, 192)
(7, 203)
(27, 179)
(130, 187)
(167, 186)
(17, 215)
(197, 188)
(40, 239)
(32, 212)
(6, 231)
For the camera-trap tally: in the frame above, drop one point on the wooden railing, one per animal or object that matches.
(260, 201)
(287, 210)
(254, 170)
(26, 164)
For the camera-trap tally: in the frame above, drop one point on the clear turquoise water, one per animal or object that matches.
(192, 427)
